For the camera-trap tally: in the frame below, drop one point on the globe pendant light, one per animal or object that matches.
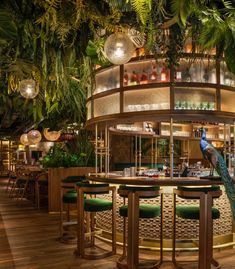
(118, 48)
(28, 88)
(24, 140)
(34, 136)
(51, 135)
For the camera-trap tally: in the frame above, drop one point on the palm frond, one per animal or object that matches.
(142, 8)
(181, 9)
(8, 29)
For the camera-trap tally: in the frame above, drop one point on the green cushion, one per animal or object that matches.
(140, 188)
(96, 205)
(145, 211)
(193, 211)
(90, 185)
(203, 189)
(70, 197)
(73, 179)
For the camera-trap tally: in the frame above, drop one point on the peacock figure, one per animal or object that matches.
(217, 161)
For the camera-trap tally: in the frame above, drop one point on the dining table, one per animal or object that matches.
(205, 207)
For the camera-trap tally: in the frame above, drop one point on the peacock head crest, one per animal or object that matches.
(203, 133)
(203, 142)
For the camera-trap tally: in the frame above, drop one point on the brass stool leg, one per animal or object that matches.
(114, 222)
(174, 229)
(92, 223)
(80, 225)
(161, 231)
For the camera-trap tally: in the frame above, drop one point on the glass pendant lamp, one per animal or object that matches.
(28, 88)
(34, 136)
(24, 140)
(118, 48)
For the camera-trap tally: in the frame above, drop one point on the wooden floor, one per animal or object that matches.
(29, 240)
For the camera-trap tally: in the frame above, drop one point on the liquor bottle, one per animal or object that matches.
(206, 75)
(163, 74)
(178, 75)
(125, 78)
(213, 75)
(186, 75)
(144, 78)
(134, 78)
(153, 75)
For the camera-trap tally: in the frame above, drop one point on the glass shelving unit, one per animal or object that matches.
(195, 98)
(107, 79)
(147, 99)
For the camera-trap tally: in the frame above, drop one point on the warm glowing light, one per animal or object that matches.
(34, 136)
(28, 88)
(51, 135)
(118, 48)
(24, 140)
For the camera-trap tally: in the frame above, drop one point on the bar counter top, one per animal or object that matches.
(162, 181)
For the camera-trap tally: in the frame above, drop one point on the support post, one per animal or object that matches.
(155, 157)
(225, 159)
(234, 148)
(96, 150)
(171, 149)
(140, 151)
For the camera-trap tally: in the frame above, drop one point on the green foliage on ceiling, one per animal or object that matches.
(58, 43)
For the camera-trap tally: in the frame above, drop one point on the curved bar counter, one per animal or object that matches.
(145, 98)
(187, 230)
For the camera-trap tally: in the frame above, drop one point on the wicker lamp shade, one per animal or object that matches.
(51, 135)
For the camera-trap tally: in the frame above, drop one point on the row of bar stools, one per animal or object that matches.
(68, 200)
(193, 212)
(88, 203)
(135, 211)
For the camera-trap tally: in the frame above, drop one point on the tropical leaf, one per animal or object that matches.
(229, 57)
(8, 29)
(182, 9)
(142, 8)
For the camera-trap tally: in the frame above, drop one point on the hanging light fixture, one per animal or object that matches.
(24, 139)
(118, 48)
(34, 136)
(51, 135)
(28, 88)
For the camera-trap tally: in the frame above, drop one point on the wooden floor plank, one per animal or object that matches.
(29, 240)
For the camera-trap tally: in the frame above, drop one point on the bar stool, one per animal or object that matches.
(11, 181)
(205, 213)
(88, 203)
(134, 211)
(68, 200)
(41, 183)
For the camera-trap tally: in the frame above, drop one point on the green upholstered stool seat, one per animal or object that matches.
(73, 179)
(139, 188)
(91, 185)
(202, 189)
(145, 211)
(70, 197)
(97, 205)
(193, 212)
